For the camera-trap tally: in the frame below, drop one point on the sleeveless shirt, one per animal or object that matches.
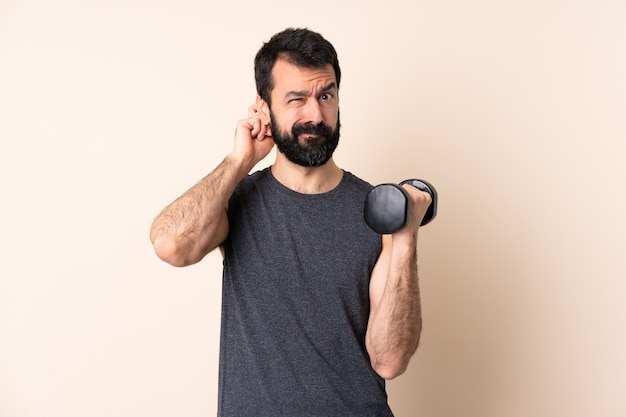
(295, 303)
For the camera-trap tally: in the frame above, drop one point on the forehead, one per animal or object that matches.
(288, 77)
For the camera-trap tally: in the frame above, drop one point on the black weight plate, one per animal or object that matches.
(386, 209)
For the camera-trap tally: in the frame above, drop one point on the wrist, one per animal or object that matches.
(238, 164)
(405, 238)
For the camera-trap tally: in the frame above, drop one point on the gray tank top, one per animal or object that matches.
(295, 303)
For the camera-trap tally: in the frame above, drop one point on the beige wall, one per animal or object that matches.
(515, 110)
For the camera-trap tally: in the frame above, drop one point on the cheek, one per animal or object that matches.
(287, 119)
(331, 117)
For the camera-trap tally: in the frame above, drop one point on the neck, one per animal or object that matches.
(307, 180)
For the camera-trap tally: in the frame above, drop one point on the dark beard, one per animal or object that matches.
(314, 152)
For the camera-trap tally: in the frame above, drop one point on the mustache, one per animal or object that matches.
(320, 129)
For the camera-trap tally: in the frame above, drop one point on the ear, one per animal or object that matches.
(263, 110)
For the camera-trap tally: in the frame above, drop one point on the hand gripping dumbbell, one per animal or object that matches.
(388, 206)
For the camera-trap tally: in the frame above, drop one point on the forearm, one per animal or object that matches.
(395, 323)
(196, 223)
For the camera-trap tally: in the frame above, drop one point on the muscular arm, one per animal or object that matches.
(197, 222)
(395, 321)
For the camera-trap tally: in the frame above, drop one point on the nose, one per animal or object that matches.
(313, 112)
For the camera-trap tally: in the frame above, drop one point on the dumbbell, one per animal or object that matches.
(387, 206)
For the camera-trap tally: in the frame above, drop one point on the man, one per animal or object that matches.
(317, 309)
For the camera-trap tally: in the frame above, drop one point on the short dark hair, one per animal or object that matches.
(300, 47)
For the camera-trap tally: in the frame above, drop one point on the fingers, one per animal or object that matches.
(418, 197)
(261, 127)
(258, 129)
(253, 135)
(420, 201)
(251, 142)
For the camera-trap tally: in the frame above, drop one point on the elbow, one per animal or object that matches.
(390, 371)
(392, 363)
(169, 251)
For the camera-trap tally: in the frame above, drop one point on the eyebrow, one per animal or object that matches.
(302, 93)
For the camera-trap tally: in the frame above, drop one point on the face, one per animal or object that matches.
(305, 113)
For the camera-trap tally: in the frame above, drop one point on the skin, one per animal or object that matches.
(197, 223)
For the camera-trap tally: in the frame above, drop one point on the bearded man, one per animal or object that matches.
(318, 310)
